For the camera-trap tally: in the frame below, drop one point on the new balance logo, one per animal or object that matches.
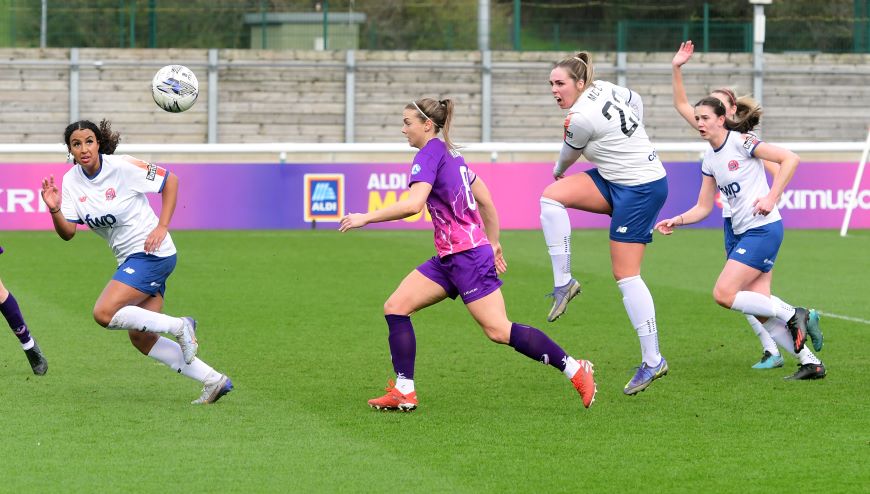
(622, 229)
(323, 192)
(155, 284)
(129, 270)
(741, 251)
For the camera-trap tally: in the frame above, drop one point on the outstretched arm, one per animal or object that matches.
(697, 213)
(169, 199)
(489, 215)
(681, 101)
(409, 206)
(51, 198)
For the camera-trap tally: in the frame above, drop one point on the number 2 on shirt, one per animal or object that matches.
(605, 110)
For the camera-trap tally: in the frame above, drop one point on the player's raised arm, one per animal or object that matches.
(52, 198)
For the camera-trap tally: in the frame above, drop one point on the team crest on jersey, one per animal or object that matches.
(415, 169)
(750, 141)
(733, 166)
(110, 194)
(324, 196)
(151, 172)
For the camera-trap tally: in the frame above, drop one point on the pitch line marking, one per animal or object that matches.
(845, 318)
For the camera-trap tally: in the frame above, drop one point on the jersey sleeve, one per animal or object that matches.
(750, 142)
(142, 176)
(424, 169)
(67, 207)
(578, 131)
(706, 168)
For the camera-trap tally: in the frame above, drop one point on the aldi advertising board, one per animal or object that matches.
(279, 196)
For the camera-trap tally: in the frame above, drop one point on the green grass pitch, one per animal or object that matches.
(295, 319)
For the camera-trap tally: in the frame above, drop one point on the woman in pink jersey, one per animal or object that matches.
(106, 192)
(770, 357)
(12, 313)
(468, 260)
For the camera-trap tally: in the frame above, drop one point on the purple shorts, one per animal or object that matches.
(470, 274)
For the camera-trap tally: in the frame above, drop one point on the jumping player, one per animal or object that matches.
(107, 193)
(468, 260)
(605, 124)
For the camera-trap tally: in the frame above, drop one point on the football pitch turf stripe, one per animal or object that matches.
(845, 318)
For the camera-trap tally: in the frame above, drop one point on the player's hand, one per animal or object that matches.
(155, 238)
(683, 54)
(50, 194)
(352, 220)
(763, 206)
(667, 227)
(500, 263)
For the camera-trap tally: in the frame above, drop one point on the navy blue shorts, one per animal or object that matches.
(728, 231)
(470, 274)
(635, 208)
(758, 247)
(146, 273)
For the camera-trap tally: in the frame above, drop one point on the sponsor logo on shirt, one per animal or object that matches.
(110, 194)
(96, 222)
(730, 190)
(151, 172)
(415, 169)
(733, 165)
(324, 196)
(750, 141)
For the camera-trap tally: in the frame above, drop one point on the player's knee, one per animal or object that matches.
(103, 316)
(498, 333)
(392, 306)
(723, 297)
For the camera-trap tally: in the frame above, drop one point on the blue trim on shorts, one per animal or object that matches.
(146, 272)
(635, 208)
(758, 247)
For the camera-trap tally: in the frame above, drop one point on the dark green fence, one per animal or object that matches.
(527, 25)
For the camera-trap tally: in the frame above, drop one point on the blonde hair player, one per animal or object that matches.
(733, 165)
(770, 356)
(605, 124)
(468, 260)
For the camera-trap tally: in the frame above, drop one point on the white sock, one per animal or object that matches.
(764, 337)
(168, 352)
(784, 311)
(754, 304)
(571, 367)
(780, 333)
(139, 319)
(405, 386)
(29, 344)
(557, 234)
(642, 313)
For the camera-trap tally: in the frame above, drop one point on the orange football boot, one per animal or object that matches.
(584, 382)
(395, 400)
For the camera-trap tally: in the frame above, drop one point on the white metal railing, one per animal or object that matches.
(284, 148)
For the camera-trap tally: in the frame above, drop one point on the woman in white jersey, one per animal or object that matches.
(733, 165)
(107, 193)
(605, 124)
(770, 357)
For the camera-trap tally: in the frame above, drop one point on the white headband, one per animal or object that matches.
(424, 114)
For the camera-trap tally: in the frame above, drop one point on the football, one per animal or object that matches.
(175, 88)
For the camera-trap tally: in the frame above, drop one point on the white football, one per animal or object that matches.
(175, 88)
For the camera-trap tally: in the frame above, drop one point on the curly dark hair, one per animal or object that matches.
(108, 140)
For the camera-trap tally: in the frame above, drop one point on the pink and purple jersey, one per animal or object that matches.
(457, 222)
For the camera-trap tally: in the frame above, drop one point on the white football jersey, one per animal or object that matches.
(113, 203)
(741, 179)
(726, 209)
(607, 126)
